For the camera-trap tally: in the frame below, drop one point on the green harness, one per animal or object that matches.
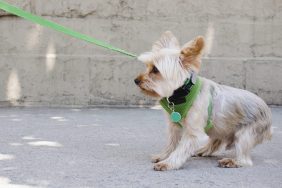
(179, 111)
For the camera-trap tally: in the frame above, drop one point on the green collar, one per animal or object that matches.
(179, 111)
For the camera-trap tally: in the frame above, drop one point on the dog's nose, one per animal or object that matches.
(137, 81)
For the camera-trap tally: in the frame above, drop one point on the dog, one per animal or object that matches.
(240, 119)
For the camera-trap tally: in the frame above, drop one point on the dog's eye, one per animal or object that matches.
(155, 70)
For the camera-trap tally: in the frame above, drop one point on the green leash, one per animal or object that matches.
(39, 20)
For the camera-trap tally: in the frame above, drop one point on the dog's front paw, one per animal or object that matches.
(161, 166)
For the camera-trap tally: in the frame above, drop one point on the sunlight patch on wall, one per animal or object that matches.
(33, 37)
(156, 107)
(13, 91)
(50, 57)
(209, 39)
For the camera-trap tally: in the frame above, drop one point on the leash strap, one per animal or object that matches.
(39, 20)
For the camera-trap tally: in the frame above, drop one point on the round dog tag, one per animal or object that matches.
(175, 117)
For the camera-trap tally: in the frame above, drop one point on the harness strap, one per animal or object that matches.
(184, 108)
(209, 122)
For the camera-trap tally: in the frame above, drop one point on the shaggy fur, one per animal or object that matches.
(241, 120)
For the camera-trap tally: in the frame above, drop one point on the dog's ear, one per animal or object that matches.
(167, 40)
(191, 53)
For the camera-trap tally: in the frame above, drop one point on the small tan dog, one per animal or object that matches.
(239, 119)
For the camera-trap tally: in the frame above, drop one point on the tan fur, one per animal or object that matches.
(190, 54)
(227, 163)
(240, 119)
(144, 79)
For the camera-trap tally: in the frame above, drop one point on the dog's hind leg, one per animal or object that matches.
(174, 135)
(245, 140)
(212, 146)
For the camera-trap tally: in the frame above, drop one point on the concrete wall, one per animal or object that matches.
(39, 66)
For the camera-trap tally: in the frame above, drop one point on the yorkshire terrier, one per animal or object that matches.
(239, 119)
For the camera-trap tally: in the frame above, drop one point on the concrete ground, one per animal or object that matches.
(73, 148)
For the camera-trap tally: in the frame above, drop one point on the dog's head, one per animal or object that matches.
(168, 65)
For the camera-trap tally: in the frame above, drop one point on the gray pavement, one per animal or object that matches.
(72, 148)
